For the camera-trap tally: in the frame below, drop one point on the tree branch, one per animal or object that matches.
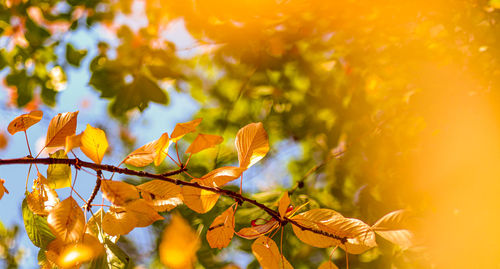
(77, 163)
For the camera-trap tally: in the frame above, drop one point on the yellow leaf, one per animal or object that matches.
(312, 219)
(394, 227)
(117, 222)
(72, 141)
(43, 198)
(54, 249)
(161, 195)
(328, 265)
(268, 254)
(25, 121)
(160, 203)
(182, 129)
(83, 251)
(283, 204)
(179, 244)
(252, 144)
(204, 141)
(221, 176)
(2, 188)
(94, 143)
(59, 175)
(143, 212)
(197, 199)
(66, 220)
(360, 237)
(94, 227)
(221, 231)
(61, 126)
(118, 192)
(258, 230)
(152, 151)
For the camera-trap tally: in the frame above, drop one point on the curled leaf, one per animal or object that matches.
(198, 199)
(118, 192)
(94, 143)
(154, 151)
(268, 254)
(160, 203)
(72, 141)
(394, 227)
(43, 198)
(252, 144)
(2, 188)
(161, 195)
(61, 126)
(204, 141)
(258, 230)
(66, 220)
(221, 231)
(283, 204)
(25, 121)
(179, 244)
(182, 129)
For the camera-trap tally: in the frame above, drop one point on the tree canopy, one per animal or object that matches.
(378, 116)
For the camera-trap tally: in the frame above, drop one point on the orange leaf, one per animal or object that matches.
(161, 195)
(72, 141)
(78, 253)
(118, 192)
(252, 144)
(66, 220)
(43, 198)
(25, 121)
(182, 129)
(268, 254)
(143, 212)
(394, 228)
(258, 230)
(94, 143)
(204, 141)
(2, 188)
(312, 219)
(221, 176)
(95, 227)
(197, 199)
(328, 265)
(117, 222)
(283, 204)
(161, 149)
(221, 231)
(160, 203)
(179, 244)
(152, 151)
(62, 125)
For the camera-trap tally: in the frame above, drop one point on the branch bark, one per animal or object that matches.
(77, 163)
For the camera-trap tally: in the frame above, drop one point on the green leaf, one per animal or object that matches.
(74, 56)
(36, 227)
(116, 257)
(59, 175)
(100, 262)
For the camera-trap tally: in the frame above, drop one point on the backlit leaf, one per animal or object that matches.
(118, 192)
(2, 188)
(43, 198)
(161, 195)
(77, 253)
(268, 254)
(143, 212)
(25, 121)
(61, 126)
(66, 220)
(182, 129)
(312, 219)
(197, 199)
(252, 144)
(160, 203)
(179, 244)
(117, 222)
(221, 176)
(221, 231)
(116, 257)
(154, 151)
(94, 143)
(59, 175)
(94, 227)
(258, 230)
(394, 228)
(204, 141)
(161, 149)
(53, 252)
(283, 204)
(328, 265)
(72, 141)
(36, 227)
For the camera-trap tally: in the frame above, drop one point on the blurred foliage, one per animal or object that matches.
(10, 254)
(329, 76)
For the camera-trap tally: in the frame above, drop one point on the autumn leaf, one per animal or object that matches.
(143, 212)
(221, 231)
(36, 227)
(161, 149)
(61, 126)
(160, 203)
(118, 192)
(43, 198)
(258, 230)
(220, 176)
(394, 228)
(179, 244)
(283, 204)
(94, 143)
(161, 195)
(198, 199)
(66, 220)
(204, 141)
(59, 175)
(53, 252)
(72, 141)
(267, 253)
(154, 151)
(117, 222)
(25, 121)
(182, 129)
(94, 227)
(328, 265)
(312, 219)
(252, 144)
(77, 253)
(2, 188)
